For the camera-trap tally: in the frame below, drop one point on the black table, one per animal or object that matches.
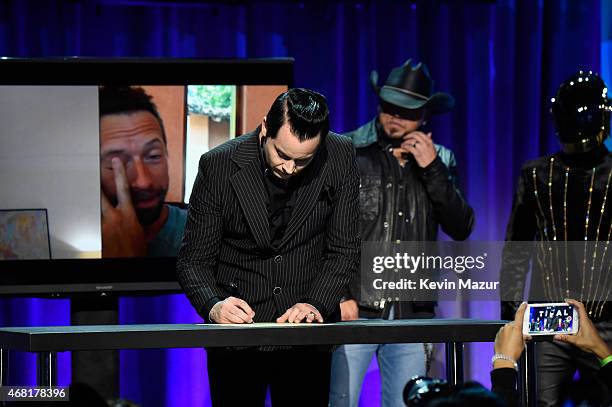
(47, 341)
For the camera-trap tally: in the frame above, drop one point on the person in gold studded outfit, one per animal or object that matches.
(562, 206)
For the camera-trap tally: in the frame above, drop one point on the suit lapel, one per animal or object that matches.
(250, 190)
(307, 195)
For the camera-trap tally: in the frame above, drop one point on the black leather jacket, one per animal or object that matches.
(405, 204)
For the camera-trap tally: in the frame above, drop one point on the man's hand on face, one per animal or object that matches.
(122, 234)
(301, 312)
(421, 146)
(232, 310)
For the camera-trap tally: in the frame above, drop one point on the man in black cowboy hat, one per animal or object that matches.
(408, 189)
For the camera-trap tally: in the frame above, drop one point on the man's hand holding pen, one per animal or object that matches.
(232, 310)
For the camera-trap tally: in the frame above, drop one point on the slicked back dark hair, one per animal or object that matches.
(128, 99)
(305, 110)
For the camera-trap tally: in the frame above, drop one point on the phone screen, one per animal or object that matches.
(551, 319)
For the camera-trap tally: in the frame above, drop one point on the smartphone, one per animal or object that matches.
(550, 319)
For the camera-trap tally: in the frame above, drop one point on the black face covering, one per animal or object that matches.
(585, 160)
(581, 113)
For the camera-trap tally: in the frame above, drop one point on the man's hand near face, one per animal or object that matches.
(421, 146)
(301, 312)
(122, 234)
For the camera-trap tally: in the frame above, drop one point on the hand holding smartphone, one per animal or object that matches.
(551, 319)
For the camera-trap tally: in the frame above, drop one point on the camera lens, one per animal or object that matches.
(421, 389)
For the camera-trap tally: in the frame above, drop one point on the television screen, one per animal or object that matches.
(107, 155)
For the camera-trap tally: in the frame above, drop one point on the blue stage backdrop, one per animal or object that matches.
(500, 59)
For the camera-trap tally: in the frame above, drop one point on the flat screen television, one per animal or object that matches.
(84, 157)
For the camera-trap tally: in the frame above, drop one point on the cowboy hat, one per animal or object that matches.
(411, 87)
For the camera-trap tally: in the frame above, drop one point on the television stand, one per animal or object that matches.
(96, 368)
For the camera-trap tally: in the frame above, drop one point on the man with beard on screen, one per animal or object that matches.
(134, 177)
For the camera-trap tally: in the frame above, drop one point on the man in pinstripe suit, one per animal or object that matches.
(273, 236)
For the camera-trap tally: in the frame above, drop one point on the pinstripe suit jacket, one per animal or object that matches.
(227, 248)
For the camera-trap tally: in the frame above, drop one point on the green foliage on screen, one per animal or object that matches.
(210, 100)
